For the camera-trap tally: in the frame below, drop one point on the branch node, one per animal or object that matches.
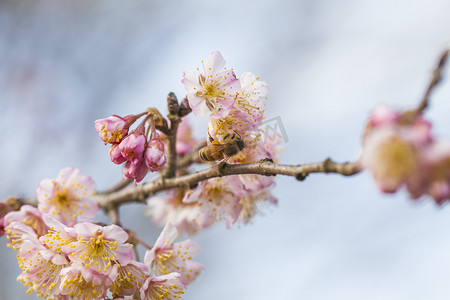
(301, 176)
(328, 165)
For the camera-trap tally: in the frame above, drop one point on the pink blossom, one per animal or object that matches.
(113, 129)
(68, 196)
(219, 198)
(168, 207)
(132, 147)
(213, 89)
(100, 248)
(393, 155)
(130, 279)
(155, 157)
(82, 283)
(135, 170)
(166, 257)
(227, 125)
(168, 287)
(17, 233)
(248, 99)
(415, 125)
(41, 268)
(30, 216)
(58, 236)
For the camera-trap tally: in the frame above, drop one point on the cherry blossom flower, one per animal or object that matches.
(41, 268)
(68, 196)
(100, 248)
(213, 89)
(166, 257)
(17, 233)
(130, 279)
(248, 99)
(30, 216)
(114, 129)
(169, 287)
(218, 197)
(391, 157)
(228, 123)
(83, 283)
(169, 207)
(394, 150)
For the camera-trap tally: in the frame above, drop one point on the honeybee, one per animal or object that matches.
(222, 152)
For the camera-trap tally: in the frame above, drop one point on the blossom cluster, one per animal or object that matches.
(235, 107)
(400, 150)
(140, 153)
(64, 258)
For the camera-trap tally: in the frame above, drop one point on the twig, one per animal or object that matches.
(123, 183)
(263, 167)
(435, 79)
(175, 119)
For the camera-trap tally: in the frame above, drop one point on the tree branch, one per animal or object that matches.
(264, 167)
(435, 79)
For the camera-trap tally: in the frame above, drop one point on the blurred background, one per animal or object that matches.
(64, 64)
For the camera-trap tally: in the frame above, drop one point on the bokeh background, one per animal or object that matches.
(64, 64)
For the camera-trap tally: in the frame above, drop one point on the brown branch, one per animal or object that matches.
(435, 79)
(113, 214)
(263, 167)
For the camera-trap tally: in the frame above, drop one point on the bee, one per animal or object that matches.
(222, 152)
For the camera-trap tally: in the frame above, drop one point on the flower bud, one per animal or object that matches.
(133, 146)
(155, 158)
(136, 170)
(115, 155)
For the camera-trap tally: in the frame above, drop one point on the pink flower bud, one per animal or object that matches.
(115, 155)
(112, 129)
(132, 147)
(155, 157)
(136, 170)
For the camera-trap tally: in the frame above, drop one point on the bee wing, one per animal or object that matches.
(216, 148)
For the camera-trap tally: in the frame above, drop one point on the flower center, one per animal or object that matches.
(399, 158)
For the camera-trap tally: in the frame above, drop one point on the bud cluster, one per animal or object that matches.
(84, 260)
(400, 150)
(139, 151)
